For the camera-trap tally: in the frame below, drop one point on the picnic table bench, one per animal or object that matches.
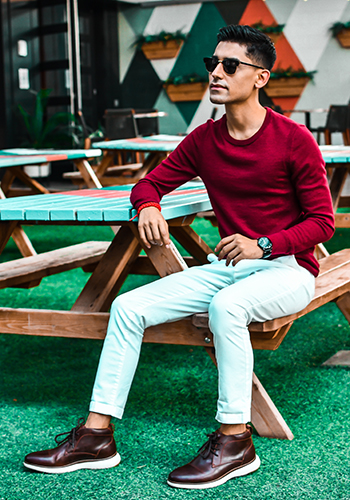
(89, 316)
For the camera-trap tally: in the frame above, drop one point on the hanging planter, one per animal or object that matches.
(273, 31)
(161, 50)
(163, 45)
(341, 31)
(186, 91)
(186, 88)
(287, 83)
(343, 38)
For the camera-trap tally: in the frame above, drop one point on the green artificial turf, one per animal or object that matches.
(46, 385)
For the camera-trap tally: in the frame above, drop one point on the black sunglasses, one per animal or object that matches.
(229, 64)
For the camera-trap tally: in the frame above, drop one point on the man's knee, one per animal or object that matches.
(225, 312)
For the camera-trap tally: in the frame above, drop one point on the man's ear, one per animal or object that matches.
(262, 78)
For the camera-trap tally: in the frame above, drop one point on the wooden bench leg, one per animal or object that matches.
(344, 305)
(266, 418)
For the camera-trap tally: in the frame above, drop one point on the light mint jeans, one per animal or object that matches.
(253, 290)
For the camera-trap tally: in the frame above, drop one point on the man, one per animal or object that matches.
(267, 183)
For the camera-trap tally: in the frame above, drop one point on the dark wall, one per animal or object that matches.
(42, 24)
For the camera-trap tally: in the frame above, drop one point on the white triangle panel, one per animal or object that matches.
(126, 40)
(307, 29)
(172, 18)
(163, 67)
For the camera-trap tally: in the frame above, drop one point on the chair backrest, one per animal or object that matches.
(148, 125)
(338, 118)
(120, 123)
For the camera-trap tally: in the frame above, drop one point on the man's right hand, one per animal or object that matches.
(153, 228)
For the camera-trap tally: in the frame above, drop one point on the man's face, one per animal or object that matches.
(231, 89)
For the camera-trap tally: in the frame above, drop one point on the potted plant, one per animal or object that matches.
(341, 31)
(59, 131)
(274, 31)
(186, 88)
(288, 82)
(163, 45)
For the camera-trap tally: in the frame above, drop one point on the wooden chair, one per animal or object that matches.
(338, 121)
(148, 125)
(119, 124)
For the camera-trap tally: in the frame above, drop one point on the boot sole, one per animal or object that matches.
(105, 463)
(242, 471)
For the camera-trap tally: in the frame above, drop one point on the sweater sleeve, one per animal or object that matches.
(308, 175)
(178, 168)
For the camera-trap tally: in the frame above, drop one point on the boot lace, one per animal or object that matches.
(70, 436)
(212, 446)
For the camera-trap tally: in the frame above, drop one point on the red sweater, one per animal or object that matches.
(273, 184)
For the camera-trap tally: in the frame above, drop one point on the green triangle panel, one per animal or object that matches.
(141, 85)
(200, 43)
(174, 122)
(232, 11)
(187, 109)
(136, 17)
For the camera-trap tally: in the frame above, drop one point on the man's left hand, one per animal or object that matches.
(237, 247)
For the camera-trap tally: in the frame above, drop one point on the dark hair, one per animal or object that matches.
(260, 47)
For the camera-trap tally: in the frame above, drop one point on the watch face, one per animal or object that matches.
(265, 243)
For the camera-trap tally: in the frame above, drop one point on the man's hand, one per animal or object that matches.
(153, 228)
(237, 247)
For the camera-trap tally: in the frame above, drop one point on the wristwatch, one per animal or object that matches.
(266, 246)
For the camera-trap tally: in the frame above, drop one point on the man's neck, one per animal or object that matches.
(244, 121)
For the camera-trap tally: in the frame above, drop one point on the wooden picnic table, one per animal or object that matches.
(337, 159)
(108, 206)
(154, 149)
(13, 161)
(110, 265)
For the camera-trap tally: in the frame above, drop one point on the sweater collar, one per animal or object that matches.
(250, 140)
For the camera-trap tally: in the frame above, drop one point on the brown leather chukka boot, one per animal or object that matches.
(221, 458)
(81, 448)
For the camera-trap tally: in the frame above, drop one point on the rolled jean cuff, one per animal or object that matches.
(106, 409)
(233, 418)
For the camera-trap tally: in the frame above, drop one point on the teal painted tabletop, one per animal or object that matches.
(21, 156)
(336, 154)
(110, 204)
(161, 142)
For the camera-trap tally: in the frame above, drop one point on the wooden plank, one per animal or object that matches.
(344, 202)
(29, 181)
(321, 251)
(96, 292)
(344, 305)
(341, 358)
(29, 269)
(192, 242)
(334, 260)
(6, 230)
(266, 418)
(337, 183)
(20, 238)
(23, 242)
(53, 323)
(88, 173)
(342, 220)
(7, 180)
(165, 260)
